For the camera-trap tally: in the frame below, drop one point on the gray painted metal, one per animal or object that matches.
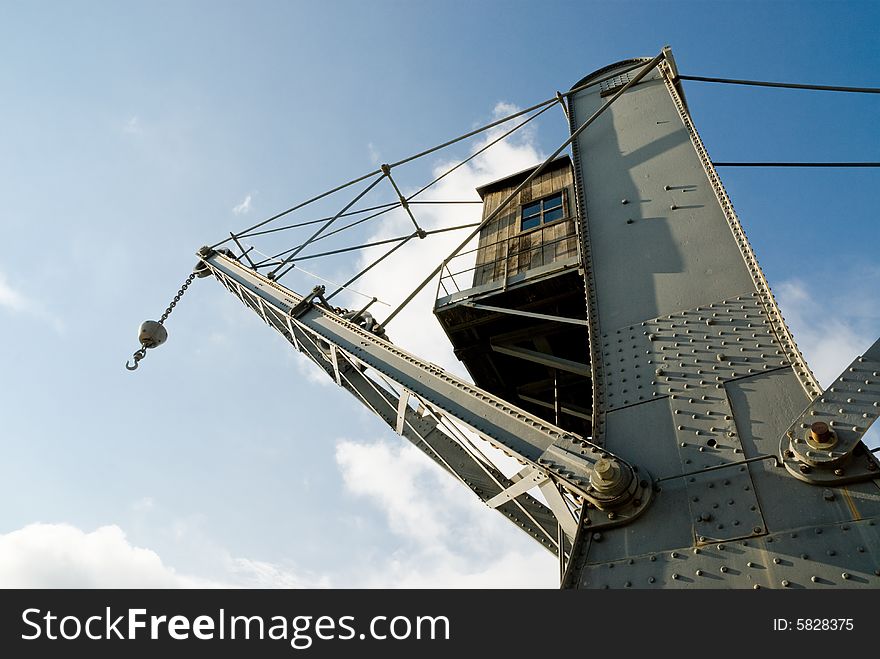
(816, 556)
(563, 457)
(526, 314)
(423, 427)
(567, 457)
(722, 502)
(694, 368)
(848, 407)
(543, 358)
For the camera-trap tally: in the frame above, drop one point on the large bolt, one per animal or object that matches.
(607, 475)
(604, 469)
(820, 433)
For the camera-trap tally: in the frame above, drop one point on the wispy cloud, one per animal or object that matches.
(15, 301)
(132, 126)
(375, 154)
(833, 323)
(143, 505)
(244, 207)
(10, 298)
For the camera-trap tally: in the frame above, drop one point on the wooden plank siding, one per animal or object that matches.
(504, 250)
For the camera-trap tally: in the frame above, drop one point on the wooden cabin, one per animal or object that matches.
(535, 229)
(520, 329)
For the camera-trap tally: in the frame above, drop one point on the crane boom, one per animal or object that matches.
(568, 469)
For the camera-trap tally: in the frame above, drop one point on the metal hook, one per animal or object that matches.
(138, 355)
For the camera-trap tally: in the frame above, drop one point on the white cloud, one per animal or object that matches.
(63, 556)
(307, 368)
(446, 537)
(11, 298)
(17, 302)
(832, 323)
(244, 207)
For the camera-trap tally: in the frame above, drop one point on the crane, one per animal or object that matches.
(698, 449)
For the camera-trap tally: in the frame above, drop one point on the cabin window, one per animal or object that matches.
(543, 211)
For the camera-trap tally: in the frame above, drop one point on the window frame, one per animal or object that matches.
(542, 212)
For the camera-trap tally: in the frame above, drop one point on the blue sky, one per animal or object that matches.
(132, 133)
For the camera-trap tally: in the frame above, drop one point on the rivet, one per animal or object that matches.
(699, 573)
(723, 568)
(651, 580)
(831, 552)
(786, 583)
(675, 575)
(814, 579)
(845, 575)
(777, 561)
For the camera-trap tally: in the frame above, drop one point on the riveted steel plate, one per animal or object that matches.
(700, 347)
(831, 556)
(848, 407)
(723, 502)
(611, 85)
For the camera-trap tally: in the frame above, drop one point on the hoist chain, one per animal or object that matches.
(152, 333)
(177, 297)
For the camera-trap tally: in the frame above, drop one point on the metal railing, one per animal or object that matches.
(519, 253)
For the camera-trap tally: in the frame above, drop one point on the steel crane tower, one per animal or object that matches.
(695, 449)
